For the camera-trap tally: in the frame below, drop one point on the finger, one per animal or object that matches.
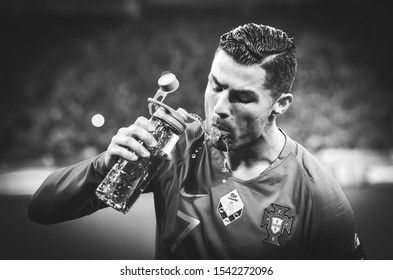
(131, 144)
(114, 152)
(137, 132)
(122, 152)
(184, 114)
(145, 123)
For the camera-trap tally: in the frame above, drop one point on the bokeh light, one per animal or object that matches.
(98, 120)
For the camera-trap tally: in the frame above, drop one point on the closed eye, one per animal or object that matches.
(215, 85)
(216, 88)
(235, 95)
(243, 96)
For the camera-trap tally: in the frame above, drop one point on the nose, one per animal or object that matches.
(222, 106)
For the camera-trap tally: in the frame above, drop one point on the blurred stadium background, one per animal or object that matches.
(63, 62)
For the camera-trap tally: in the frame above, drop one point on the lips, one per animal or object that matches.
(220, 127)
(220, 131)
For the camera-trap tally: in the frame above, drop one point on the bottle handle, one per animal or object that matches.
(168, 83)
(158, 103)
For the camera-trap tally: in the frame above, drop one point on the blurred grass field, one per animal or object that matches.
(108, 234)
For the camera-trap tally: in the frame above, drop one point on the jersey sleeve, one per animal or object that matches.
(334, 229)
(69, 193)
(333, 224)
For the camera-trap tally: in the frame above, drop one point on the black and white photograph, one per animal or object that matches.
(196, 130)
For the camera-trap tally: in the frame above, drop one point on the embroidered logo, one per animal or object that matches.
(230, 207)
(276, 222)
(186, 194)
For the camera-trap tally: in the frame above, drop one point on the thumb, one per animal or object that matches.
(184, 114)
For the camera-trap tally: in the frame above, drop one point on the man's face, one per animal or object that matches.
(237, 106)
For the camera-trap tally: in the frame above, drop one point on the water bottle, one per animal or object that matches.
(126, 180)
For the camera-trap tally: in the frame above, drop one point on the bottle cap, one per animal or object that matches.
(168, 82)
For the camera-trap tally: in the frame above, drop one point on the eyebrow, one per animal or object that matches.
(237, 91)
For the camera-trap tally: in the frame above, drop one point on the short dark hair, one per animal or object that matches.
(266, 46)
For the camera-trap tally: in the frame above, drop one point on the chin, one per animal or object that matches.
(219, 145)
(223, 142)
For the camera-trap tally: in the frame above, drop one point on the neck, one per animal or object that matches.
(250, 160)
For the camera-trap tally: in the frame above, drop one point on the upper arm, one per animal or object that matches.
(334, 226)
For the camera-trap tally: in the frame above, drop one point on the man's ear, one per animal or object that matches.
(282, 104)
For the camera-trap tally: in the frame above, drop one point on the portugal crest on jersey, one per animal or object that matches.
(276, 222)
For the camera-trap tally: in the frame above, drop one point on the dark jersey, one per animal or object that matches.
(292, 210)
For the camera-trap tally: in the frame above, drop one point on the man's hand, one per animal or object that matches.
(126, 144)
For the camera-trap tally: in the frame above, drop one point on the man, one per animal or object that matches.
(250, 192)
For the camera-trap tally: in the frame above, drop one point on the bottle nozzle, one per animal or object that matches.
(168, 83)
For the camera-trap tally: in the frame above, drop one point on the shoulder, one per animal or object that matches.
(316, 177)
(333, 223)
(326, 191)
(312, 168)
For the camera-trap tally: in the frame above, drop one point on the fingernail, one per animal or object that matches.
(145, 153)
(184, 114)
(153, 142)
(133, 157)
(152, 127)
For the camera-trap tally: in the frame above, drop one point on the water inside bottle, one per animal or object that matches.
(128, 179)
(121, 187)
